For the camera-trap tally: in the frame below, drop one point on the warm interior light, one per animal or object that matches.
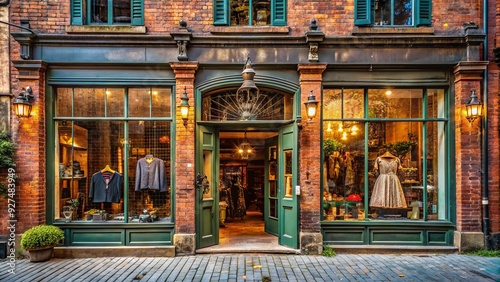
(329, 128)
(22, 104)
(388, 92)
(184, 107)
(341, 128)
(344, 136)
(311, 106)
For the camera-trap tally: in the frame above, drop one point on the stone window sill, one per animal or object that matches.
(378, 30)
(250, 30)
(106, 29)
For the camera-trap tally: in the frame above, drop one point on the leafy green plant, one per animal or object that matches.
(401, 148)
(328, 251)
(6, 159)
(6, 151)
(331, 145)
(41, 236)
(483, 253)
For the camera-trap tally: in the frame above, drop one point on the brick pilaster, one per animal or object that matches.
(185, 150)
(310, 150)
(468, 77)
(30, 139)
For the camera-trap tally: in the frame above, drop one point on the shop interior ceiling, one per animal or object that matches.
(229, 141)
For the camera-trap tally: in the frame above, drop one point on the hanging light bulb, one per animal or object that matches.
(341, 129)
(344, 136)
(329, 128)
(354, 128)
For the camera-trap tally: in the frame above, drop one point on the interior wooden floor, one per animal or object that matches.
(246, 235)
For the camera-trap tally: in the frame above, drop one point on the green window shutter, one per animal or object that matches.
(137, 12)
(423, 13)
(278, 12)
(221, 12)
(77, 12)
(364, 12)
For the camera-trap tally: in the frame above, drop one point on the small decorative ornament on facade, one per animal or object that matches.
(22, 104)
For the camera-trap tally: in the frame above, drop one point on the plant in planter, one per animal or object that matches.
(40, 241)
(401, 148)
(331, 145)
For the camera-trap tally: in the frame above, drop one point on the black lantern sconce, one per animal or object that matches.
(311, 106)
(184, 106)
(22, 104)
(474, 107)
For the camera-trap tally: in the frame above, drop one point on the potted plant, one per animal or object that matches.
(330, 146)
(40, 241)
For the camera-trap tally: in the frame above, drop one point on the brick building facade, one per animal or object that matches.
(73, 60)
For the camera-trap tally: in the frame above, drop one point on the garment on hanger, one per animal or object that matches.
(150, 174)
(106, 186)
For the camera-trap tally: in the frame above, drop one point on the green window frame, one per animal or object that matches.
(427, 120)
(80, 9)
(364, 13)
(276, 8)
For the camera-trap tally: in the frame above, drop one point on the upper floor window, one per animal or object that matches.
(393, 12)
(107, 12)
(250, 12)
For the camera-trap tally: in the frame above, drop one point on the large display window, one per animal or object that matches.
(113, 155)
(384, 154)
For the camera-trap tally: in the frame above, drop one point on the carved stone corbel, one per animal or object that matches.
(313, 37)
(182, 37)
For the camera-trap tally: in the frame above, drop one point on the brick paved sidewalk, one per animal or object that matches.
(256, 267)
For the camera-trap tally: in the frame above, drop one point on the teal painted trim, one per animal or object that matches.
(110, 12)
(173, 155)
(126, 160)
(260, 80)
(424, 154)
(113, 118)
(452, 173)
(110, 81)
(50, 156)
(366, 184)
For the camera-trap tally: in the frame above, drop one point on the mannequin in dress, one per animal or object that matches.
(387, 191)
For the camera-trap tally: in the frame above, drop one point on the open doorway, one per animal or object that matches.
(243, 158)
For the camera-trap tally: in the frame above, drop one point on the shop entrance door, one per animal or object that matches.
(287, 183)
(207, 179)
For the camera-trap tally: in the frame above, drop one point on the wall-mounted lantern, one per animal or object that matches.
(473, 107)
(22, 104)
(311, 106)
(184, 106)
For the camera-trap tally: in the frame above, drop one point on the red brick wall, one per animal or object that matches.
(334, 17)
(494, 116)
(468, 151)
(310, 150)
(185, 151)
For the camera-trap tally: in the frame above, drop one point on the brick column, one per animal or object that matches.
(185, 223)
(468, 77)
(311, 240)
(29, 136)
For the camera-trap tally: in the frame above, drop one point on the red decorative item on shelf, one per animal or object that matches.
(354, 198)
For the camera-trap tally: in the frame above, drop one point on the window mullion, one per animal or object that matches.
(110, 12)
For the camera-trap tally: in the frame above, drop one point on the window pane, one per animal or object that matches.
(121, 11)
(162, 98)
(149, 139)
(402, 12)
(85, 149)
(332, 103)
(139, 102)
(436, 105)
(395, 103)
(436, 164)
(63, 102)
(99, 11)
(353, 103)
(115, 104)
(239, 12)
(383, 12)
(343, 170)
(89, 102)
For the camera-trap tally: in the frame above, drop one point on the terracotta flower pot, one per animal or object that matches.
(41, 253)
